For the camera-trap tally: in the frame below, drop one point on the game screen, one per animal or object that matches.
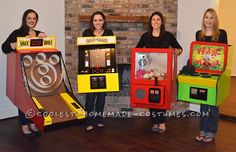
(208, 57)
(97, 58)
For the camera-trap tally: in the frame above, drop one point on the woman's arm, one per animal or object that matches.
(141, 42)
(10, 44)
(175, 44)
(223, 37)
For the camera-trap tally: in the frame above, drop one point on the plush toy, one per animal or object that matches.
(140, 73)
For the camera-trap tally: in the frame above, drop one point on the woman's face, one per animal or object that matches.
(31, 20)
(156, 22)
(209, 20)
(98, 22)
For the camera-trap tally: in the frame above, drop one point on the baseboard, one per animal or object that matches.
(8, 113)
(228, 117)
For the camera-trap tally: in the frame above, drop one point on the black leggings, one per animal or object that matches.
(157, 116)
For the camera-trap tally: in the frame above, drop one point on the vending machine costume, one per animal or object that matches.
(209, 82)
(153, 78)
(38, 85)
(97, 64)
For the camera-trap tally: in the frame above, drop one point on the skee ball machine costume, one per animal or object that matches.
(37, 83)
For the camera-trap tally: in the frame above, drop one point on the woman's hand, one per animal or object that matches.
(13, 46)
(178, 51)
(42, 35)
(31, 34)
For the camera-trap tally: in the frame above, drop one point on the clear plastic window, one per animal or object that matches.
(151, 65)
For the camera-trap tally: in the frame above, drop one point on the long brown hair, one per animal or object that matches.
(162, 28)
(24, 27)
(91, 26)
(216, 31)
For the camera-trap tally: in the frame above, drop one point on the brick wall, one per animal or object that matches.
(127, 34)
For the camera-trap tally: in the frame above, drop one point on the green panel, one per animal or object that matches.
(184, 94)
(223, 87)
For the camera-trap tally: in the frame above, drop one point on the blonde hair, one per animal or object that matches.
(216, 31)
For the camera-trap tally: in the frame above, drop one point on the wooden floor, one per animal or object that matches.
(119, 135)
(229, 107)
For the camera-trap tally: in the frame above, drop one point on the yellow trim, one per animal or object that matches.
(112, 83)
(96, 40)
(47, 119)
(79, 113)
(24, 43)
(197, 81)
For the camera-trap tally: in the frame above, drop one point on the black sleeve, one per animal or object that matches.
(6, 46)
(173, 42)
(223, 37)
(37, 32)
(141, 42)
(87, 32)
(108, 32)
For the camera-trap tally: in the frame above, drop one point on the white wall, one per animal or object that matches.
(51, 21)
(190, 13)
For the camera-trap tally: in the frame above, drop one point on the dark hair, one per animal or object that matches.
(24, 26)
(92, 17)
(162, 29)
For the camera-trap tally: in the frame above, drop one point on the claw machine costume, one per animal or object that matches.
(153, 78)
(37, 83)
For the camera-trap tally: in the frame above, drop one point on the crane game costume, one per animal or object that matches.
(153, 78)
(206, 79)
(37, 82)
(97, 64)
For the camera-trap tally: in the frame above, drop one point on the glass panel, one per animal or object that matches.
(150, 65)
(97, 58)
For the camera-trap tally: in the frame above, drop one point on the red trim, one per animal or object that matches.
(36, 51)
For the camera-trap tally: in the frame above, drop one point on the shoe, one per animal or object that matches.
(26, 131)
(89, 128)
(208, 139)
(34, 129)
(162, 128)
(155, 128)
(100, 125)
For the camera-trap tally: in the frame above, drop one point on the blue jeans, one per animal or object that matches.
(22, 119)
(94, 109)
(209, 120)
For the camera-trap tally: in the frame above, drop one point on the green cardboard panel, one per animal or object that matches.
(184, 94)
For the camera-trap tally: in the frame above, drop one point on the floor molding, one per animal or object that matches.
(227, 117)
